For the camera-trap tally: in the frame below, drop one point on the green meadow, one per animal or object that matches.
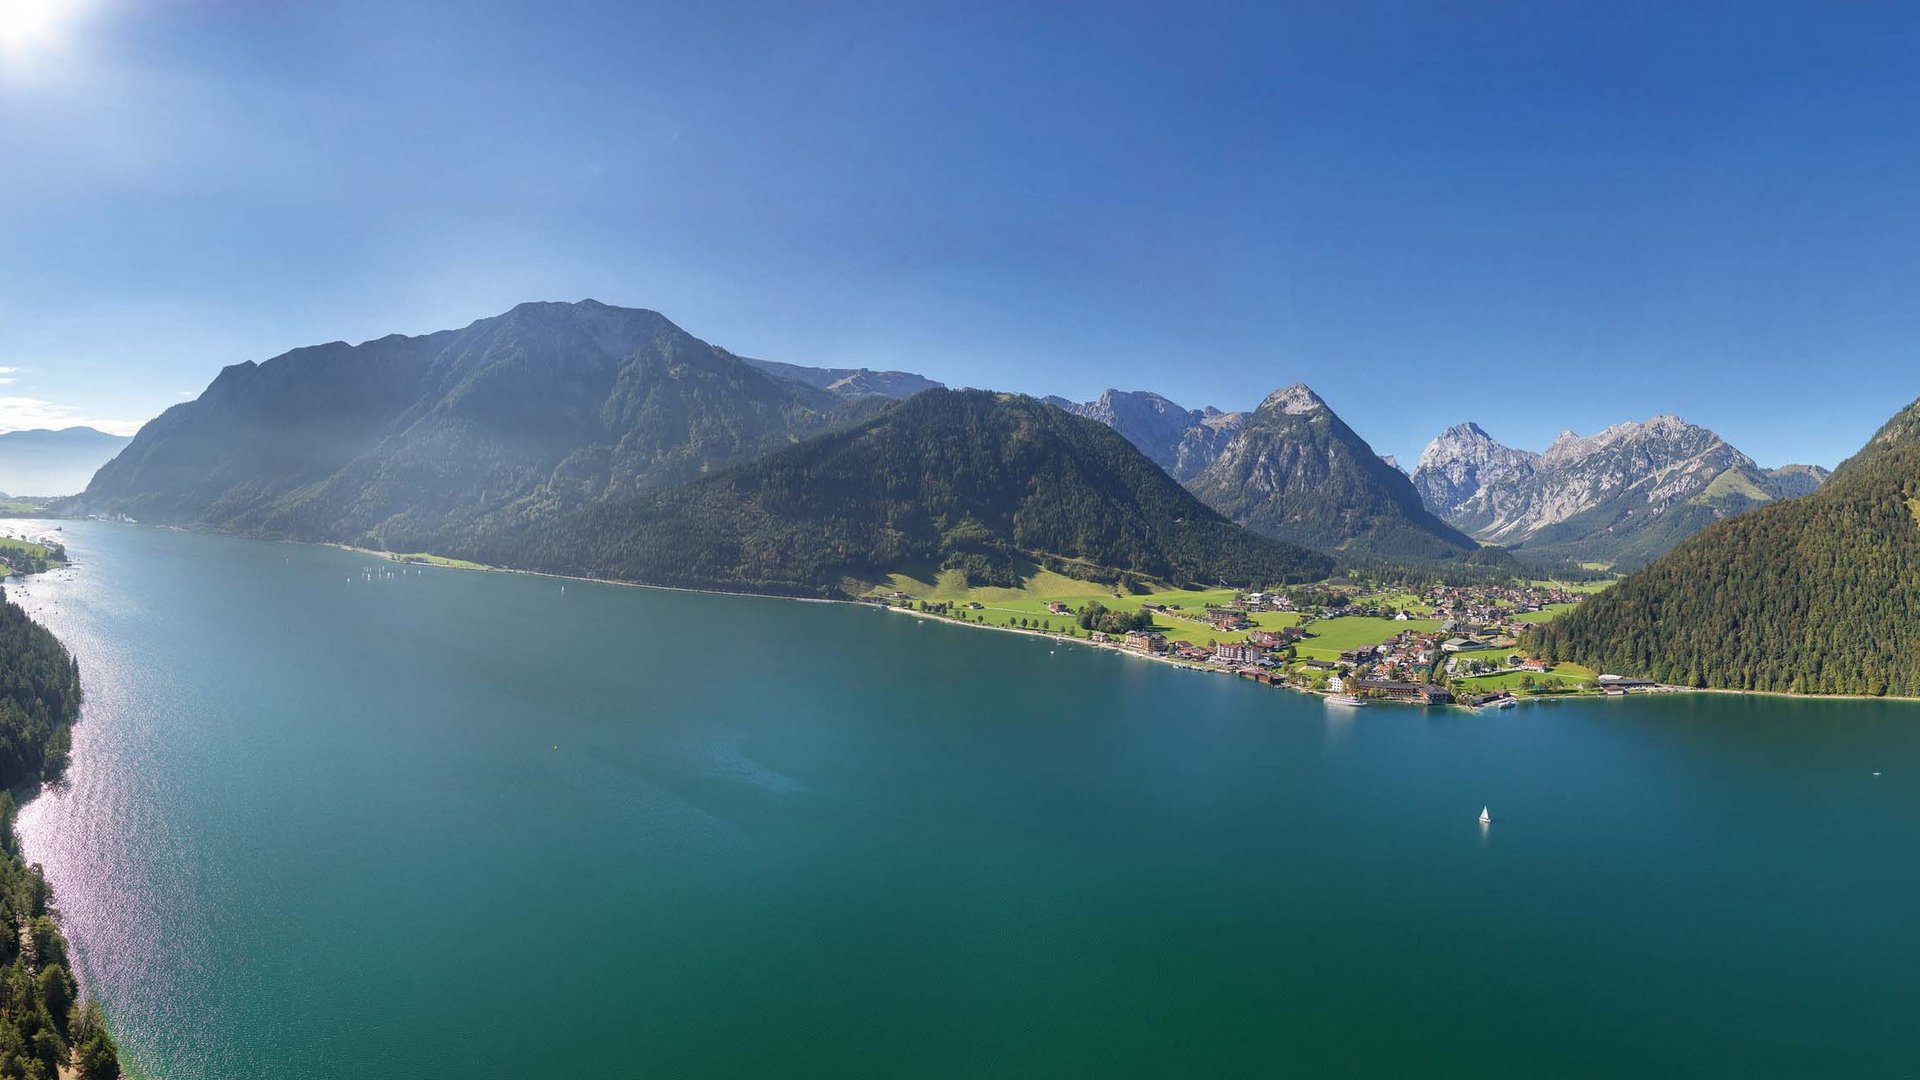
(1001, 606)
(1546, 614)
(1335, 636)
(1562, 677)
(437, 560)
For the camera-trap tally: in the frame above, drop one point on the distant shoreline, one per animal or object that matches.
(400, 558)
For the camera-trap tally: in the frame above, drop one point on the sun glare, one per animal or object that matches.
(27, 23)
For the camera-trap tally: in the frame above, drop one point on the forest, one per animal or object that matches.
(983, 482)
(1812, 595)
(43, 1024)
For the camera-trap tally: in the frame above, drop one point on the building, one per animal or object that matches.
(1419, 693)
(1359, 655)
(1617, 685)
(1146, 641)
(1236, 654)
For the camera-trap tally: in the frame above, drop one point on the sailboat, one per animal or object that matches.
(1485, 818)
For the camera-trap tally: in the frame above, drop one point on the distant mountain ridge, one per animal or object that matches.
(590, 439)
(850, 382)
(1622, 496)
(406, 441)
(42, 461)
(1290, 469)
(1180, 440)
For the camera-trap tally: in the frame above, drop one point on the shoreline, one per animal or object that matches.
(1207, 669)
(396, 557)
(1661, 688)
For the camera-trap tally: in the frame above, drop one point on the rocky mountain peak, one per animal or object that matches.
(1591, 496)
(1296, 399)
(1180, 440)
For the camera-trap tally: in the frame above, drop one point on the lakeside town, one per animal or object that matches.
(1354, 641)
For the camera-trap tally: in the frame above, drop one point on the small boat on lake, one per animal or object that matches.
(1485, 818)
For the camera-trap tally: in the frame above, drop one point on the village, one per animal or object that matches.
(1356, 641)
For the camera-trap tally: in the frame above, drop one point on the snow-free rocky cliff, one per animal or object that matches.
(1622, 495)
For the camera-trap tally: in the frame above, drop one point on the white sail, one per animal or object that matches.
(1484, 816)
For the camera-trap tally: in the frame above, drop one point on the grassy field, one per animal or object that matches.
(1563, 675)
(1405, 601)
(437, 560)
(1587, 587)
(28, 547)
(1001, 606)
(1546, 614)
(1335, 636)
(1007, 607)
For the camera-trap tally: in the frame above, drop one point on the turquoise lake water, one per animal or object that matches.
(453, 824)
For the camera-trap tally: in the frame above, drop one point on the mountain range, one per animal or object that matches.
(992, 484)
(1620, 497)
(1813, 594)
(850, 382)
(54, 462)
(1290, 469)
(500, 437)
(404, 442)
(575, 436)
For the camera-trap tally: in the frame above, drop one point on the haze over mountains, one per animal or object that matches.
(54, 462)
(482, 438)
(406, 438)
(850, 382)
(1620, 497)
(499, 439)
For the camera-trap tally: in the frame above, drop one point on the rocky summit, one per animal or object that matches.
(1622, 495)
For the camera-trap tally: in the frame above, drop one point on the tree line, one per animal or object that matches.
(43, 1023)
(1811, 595)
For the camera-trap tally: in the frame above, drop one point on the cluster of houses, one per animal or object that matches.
(1477, 628)
(1495, 607)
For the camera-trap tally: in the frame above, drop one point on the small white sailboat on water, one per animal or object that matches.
(1485, 818)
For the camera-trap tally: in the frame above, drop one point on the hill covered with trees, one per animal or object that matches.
(1810, 595)
(43, 1024)
(989, 483)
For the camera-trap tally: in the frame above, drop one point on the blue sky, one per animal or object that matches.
(1533, 216)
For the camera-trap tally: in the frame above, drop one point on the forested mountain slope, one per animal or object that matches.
(45, 1030)
(1815, 594)
(987, 482)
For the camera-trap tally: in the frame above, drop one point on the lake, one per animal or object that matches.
(329, 820)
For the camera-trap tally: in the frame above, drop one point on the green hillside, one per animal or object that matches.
(1812, 595)
(987, 483)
